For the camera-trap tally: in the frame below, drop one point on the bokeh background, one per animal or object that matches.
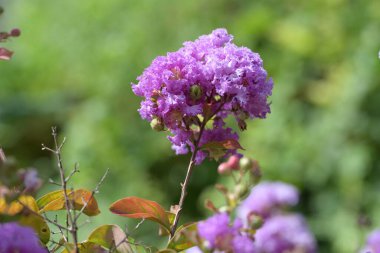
(75, 62)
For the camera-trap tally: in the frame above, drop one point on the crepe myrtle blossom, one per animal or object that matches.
(222, 236)
(207, 79)
(284, 234)
(373, 243)
(16, 238)
(266, 198)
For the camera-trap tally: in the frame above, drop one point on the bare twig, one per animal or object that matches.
(53, 182)
(71, 224)
(75, 170)
(95, 191)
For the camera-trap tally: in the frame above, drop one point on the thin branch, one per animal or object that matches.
(60, 230)
(95, 191)
(185, 184)
(190, 168)
(75, 170)
(70, 221)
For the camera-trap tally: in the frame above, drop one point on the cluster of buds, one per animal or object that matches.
(6, 54)
(245, 172)
(242, 165)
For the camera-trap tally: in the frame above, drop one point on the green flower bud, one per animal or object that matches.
(195, 92)
(246, 163)
(255, 221)
(157, 125)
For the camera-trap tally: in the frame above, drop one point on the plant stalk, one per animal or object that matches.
(185, 184)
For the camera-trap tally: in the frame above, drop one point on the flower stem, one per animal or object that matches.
(185, 184)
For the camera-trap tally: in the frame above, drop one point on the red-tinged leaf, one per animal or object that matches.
(218, 149)
(229, 144)
(110, 235)
(5, 54)
(54, 201)
(138, 208)
(184, 238)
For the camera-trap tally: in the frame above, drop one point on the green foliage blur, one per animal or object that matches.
(75, 61)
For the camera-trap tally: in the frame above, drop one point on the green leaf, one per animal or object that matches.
(138, 208)
(167, 251)
(162, 230)
(84, 247)
(184, 238)
(109, 236)
(54, 201)
(38, 223)
(25, 211)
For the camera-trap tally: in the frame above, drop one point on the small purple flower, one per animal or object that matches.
(207, 79)
(16, 238)
(215, 230)
(243, 244)
(373, 243)
(267, 197)
(31, 180)
(222, 236)
(194, 250)
(285, 233)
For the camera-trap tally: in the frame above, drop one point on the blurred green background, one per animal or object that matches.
(75, 61)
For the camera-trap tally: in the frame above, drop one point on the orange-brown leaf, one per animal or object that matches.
(55, 201)
(138, 208)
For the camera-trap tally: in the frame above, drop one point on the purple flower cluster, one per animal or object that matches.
(266, 198)
(16, 238)
(285, 233)
(207, 79)
(221, 235)
(373, 243)
(279, 233)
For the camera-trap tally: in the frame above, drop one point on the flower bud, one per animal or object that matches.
(255, 221)
(255, 171)
(195, 92)
(233, 162)
(224, 169)
(242, 125)
(246, 163)
(242, 115)
(157, 125)
(15, 32)
(241, 190)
